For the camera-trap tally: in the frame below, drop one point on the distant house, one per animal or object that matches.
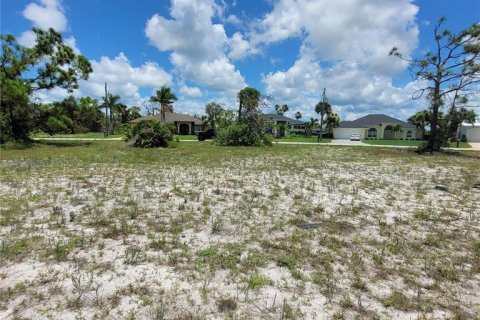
(185, 124)
(279, 124)
(470, 132)
(376, 126)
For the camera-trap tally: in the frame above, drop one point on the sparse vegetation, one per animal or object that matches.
(101, 228)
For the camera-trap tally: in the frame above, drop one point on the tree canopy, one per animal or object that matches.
(48, 64)
(451, 69)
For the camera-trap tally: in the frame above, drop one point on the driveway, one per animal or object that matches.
(475, 145)
(347, 142)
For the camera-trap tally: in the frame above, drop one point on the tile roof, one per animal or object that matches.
(279, 117)
(171, 117)
(374, 120)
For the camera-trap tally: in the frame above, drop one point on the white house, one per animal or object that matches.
(376, 126)
(471, 132)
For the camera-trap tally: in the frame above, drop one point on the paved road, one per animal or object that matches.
(336, 142)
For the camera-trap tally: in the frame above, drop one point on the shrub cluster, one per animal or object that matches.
(150, 134)
(243, 134)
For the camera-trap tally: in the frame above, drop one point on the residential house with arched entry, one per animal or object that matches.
(185, 123)
(377, 126)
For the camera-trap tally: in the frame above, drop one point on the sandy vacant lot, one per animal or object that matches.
(102, 231)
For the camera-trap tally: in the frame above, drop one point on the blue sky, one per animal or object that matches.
(207, 50)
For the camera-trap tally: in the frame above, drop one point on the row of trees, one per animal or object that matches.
(74, 115)
(448, 125)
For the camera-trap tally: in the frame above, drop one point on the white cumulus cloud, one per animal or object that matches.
(345, 46)
(191, 91)
(46, 14)
(197, 44)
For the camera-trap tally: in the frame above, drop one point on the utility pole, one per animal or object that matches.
(322, 113)
(106, 111)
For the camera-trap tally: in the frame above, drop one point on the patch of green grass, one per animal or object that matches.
(298, 138)
(257, 281)
(460, 145)
(96, 135)
(398, 300)
(409, 143)
(187, 137)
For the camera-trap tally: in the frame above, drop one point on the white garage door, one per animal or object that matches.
(344, 133)
(473, 134)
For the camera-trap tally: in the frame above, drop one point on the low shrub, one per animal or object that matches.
(150, 134)
(242, 134)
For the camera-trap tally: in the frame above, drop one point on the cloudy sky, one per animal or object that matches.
(207, 50)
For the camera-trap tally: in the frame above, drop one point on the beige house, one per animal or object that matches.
(185, 123)
(377, 126)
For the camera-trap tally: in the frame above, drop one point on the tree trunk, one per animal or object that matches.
(321, 125)
(162, 114)
(432, 142)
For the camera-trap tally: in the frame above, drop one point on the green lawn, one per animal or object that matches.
(410, 143)
(96, 135)
(186, 137)
(301, 139)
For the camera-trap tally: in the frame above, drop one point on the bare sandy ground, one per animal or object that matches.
(265, 237)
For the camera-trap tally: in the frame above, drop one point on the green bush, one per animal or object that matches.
(123, 128)
(60, 124)
(151, 134)
(242, 134)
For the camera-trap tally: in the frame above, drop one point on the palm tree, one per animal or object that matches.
(420, 120)
(298, 115)
(322, 108)
(332, 121)
(281, 109)
(397, 128)
(111, 101)
(213, 112)
(309, 126)
(165, 98)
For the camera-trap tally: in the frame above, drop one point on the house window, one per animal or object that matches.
(409, 134)
(372, 133)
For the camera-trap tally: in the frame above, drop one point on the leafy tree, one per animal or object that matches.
(456, 118)
(451, 69)
(52, 118)
(165, 98)
(133, 113)
(89, 114)
(227, 118)
(249, 129)
(322, 108)
(281, 109)
(49, 64)
(298, 115)
(214, 112)
(421, 119)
